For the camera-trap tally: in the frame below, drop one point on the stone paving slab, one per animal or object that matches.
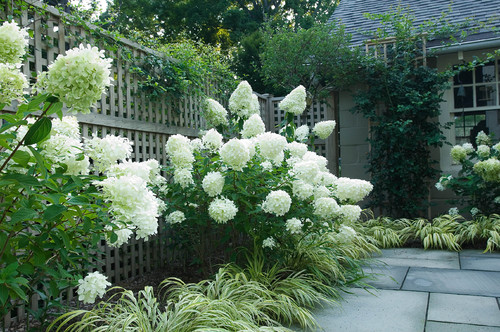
(385, 276)
(467, 282)
(467, 309)
(453, 327)
(418, 257)
(479, 253)
(486, 263)
(386, 311)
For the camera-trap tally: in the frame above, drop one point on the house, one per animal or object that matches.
(472, 102)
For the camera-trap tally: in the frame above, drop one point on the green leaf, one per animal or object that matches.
(34, 104)
(21, 157)
(56, 108)
(38, 131)
(23, 179)
(53, 211)
(9, 270)
(4, 294)
(39, 160)
(79, 200)
(23, 213)
(8, 117)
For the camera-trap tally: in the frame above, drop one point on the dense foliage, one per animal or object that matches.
(318, 58)
(477, 183)
(401, 100)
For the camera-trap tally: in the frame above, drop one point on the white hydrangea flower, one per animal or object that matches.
(93, 285)
(182, 158)
(68, 126)
(108, 150)
(295, 101)
(250, 144)
(321, 191)
(292, 161)
(176, 217)
(129, 168)
(439, 186)
(183, 177)
(453, 211)
(278, 159)
(346, 234)
(497, 200)
(302, 133)
(222, 210)
(458, 153)
(253, 126)
(215, 113)
(270, 144)
(350, 213)
(132, 203)
(352, 190)
(302, 190)
(196, 144)
(483, 151)
(294, 226)
(482, 138)
(297, 149)
(267, 165)
(12, 83)
(78, 78)
(243, 102)
(326, 208)
(212, 140)
(14, 41)
(306, 171)
(269, 243)
(320, 160)
(496, 147)
(277, 202)
(213, 183)
(177, 142)
(235, 154)
(324, 129)
(123, 235)
(469, 148)
(474, 211)
(488, 169)
(326, 179)
(62, 149)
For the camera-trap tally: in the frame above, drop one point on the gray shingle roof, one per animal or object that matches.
(351, 13)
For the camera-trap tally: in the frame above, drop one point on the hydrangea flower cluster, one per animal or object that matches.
(271, 145)
(213, 183)
(222, 210)
(483, 151)
(93, 285)
(215, 113)
(294, 226)
(212, 140)
(324, 129)
(235, 154)
(277, 202)
(12, 83)
(295, 101)
(243, 102)
(78, 78)
(488, 169)
(346, 234)
(350, 213)
(326, 208)
(176, 217)
(253, 126)
(108, 150)
(302, 133)
(14, 41)
(352, 190)
(458, 153)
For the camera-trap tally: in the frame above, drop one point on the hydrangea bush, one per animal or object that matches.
(54, 209)
(254, 187)
(478, 181)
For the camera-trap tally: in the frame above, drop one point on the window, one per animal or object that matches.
(476, 102)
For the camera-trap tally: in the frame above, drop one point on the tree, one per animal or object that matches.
(318, 58)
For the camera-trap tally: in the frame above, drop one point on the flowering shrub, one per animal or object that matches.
(478, 182)
(258, 187)
(54, 210)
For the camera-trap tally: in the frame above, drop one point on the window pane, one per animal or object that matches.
(486, 95)
(486, 73)
(463, 97)
(464, 77)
